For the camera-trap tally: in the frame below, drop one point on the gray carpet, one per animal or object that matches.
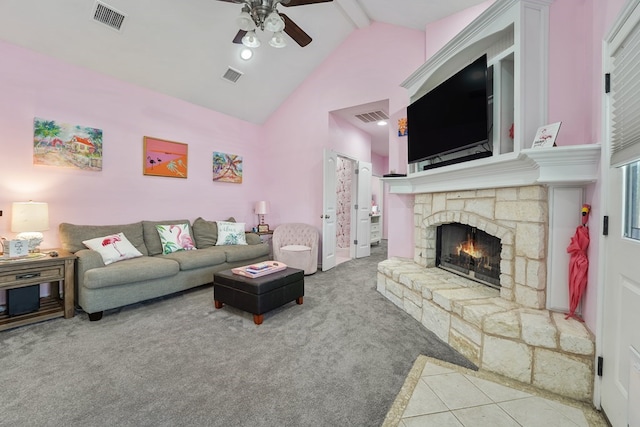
(337, 360)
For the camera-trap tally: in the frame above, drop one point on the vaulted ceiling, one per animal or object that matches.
(183, 48)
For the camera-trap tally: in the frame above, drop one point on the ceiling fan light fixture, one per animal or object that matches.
(251, 40)
(274, 22)
(277, 40)
(245, 21)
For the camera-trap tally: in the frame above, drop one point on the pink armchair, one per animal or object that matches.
(296, 245)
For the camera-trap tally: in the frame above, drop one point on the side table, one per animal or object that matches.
(35, 270)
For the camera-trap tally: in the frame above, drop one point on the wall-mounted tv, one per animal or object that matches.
(451, 117)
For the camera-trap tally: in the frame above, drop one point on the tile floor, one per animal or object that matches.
(446, 395)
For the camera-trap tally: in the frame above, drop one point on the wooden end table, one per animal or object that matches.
(22, 272)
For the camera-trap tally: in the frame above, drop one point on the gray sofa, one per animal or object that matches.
(102, 287)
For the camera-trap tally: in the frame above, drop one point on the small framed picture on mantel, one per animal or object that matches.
(546, 135)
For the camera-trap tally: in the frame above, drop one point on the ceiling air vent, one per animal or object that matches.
(373, 116)
(107, 15)
(232, 75)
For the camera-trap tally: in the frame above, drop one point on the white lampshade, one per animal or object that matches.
(245, 21)
(251, 40)
(274, 22)
(29, 216)
(262, 208)
(277, 40)
(29, 219)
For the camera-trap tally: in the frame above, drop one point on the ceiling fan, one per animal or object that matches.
(263, 15)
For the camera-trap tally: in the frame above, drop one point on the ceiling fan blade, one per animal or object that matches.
(238, 38)
(301, 2)
(295, 32)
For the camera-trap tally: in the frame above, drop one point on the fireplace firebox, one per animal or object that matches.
(469, 252)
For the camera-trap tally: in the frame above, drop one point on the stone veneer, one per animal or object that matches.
(508, 332)
(518, 216)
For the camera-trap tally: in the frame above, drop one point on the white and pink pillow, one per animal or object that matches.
(113, 248)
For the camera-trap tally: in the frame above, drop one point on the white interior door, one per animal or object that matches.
(621, 313)
(363, 210)
(620, 336)
(329, 210)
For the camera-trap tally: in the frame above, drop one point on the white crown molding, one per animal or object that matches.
(567, 165)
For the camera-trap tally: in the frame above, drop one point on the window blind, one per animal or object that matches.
(625, 100)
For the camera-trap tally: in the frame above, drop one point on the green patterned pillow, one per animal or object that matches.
(175, 237)
(231, 233)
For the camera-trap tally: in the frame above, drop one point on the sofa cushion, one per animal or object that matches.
(72, 235)
(175, 238)
(130, 271)
(113, 248)
(189, 260)
(151, 236)
(238, 253)
(205, 233)
(231, 233)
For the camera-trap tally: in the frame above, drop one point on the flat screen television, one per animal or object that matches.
(452, 116)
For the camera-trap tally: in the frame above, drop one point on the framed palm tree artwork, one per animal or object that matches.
(164, 158)
(227, 167)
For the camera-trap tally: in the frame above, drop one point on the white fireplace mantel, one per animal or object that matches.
(566, 165)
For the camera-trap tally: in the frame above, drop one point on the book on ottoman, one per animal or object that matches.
(259, 269)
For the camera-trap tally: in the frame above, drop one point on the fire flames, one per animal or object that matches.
(469, 248)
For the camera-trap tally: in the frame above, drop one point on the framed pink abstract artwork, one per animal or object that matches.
(164, 158)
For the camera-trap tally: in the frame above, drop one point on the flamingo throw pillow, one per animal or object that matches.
(113, 248)
(175, 237)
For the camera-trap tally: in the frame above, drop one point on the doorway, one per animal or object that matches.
(359, 206)
(345, 189)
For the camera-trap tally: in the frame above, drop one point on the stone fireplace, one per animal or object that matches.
(517, 216)
(506, 328)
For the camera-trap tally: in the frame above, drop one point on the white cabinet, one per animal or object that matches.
(376, 228)
(514, 36)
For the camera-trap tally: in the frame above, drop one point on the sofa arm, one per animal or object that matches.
(87, 259)
(252, 238)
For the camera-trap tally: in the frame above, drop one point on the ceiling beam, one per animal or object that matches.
(354, 12)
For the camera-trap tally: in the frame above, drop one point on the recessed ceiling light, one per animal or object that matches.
(246, 54)
(382, 123)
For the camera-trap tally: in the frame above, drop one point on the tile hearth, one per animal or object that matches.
(532, 346)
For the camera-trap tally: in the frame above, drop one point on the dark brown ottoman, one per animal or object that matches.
(258, 295)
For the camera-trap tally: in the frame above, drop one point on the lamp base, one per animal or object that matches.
(34, 238)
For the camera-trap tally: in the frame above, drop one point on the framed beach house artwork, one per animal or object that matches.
(165, 158)
(66, 145)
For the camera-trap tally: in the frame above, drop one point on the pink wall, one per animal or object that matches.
(33, 85)
(439, 33)
(569, 72)
(284, 157)
(379, 164)
(367, 67)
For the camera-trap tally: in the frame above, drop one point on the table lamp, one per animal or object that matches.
(29, 219)
(261, 209)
